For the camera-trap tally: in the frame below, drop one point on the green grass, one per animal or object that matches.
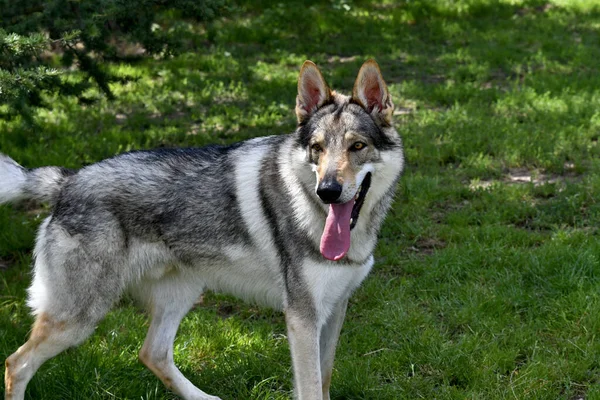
(486, 286)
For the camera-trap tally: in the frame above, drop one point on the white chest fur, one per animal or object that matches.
(330, 282)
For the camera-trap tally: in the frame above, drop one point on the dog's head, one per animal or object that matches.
(343, 137)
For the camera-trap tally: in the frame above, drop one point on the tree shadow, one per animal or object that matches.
(241, 81)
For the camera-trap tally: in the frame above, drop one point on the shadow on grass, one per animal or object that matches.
(244, 84)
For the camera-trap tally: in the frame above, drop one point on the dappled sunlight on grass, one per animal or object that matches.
(487, 278)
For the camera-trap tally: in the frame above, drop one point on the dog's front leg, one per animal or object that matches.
(303, 336)
(330, 334)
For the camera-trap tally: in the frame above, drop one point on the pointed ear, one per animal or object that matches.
(371, 92)
(313, 91)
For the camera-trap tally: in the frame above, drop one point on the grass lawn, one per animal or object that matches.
(487, 279)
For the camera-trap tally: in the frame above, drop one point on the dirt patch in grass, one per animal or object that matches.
(520, 176)
(224, 309)
(30, 207)
(523, 175)
(427, 246)
(533, 225)
(539, 9)
(5, 264)
(341, 59)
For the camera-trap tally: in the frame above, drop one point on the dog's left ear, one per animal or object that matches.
(371, 92)
(313, 91)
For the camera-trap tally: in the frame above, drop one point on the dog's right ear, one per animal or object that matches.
(313, 91)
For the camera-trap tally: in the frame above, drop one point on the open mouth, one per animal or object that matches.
(359, 200)
(341, 219)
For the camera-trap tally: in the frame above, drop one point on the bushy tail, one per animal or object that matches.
(18, 183)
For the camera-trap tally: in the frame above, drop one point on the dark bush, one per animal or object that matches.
(41, 38)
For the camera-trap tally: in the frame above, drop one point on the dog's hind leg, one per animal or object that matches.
(168, 300)
(71, 292)
(53, 332)
(48, 338)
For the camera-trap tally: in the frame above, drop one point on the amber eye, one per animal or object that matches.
(358, 146)
(316, 147)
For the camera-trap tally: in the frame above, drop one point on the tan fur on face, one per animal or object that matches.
(338, 159)
(322, 165)
(341, 166)
(346, 169)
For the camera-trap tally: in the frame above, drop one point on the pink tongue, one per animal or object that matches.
(335, 241)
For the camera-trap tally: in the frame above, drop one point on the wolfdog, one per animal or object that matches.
(289, 221)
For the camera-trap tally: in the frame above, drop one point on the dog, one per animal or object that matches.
(288, 221)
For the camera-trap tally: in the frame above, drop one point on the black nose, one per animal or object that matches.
(329, 191)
